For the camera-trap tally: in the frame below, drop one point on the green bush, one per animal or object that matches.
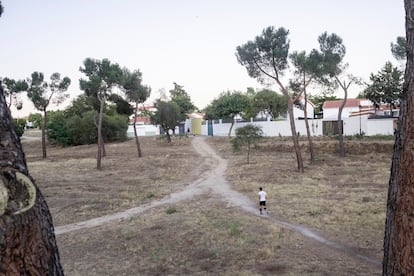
(248, 136)
(19, 125)
(36, 119)
(82, 129)
(114, 127)
(56, 128)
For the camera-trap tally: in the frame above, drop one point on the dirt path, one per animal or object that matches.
(213, 181)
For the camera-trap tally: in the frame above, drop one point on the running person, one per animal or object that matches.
(262, 200)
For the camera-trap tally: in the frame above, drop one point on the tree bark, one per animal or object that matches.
(399, 224)
(135, 131)
(44, 134)
(27, 240)
(305, 113)
(344, 87)
(294, 134)
(231, 127)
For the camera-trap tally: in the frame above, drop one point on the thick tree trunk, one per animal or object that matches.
(27, 240)
(44, 134)
(399, 225)
(295, 135)
(135, 131)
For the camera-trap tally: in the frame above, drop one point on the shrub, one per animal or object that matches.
(19, 125)
(56, 128)
(82, 129)
(36, 119)
(114, 127)
(248, 136)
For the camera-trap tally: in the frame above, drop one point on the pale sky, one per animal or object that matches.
(192, 43)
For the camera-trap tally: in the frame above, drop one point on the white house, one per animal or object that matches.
(352, 107)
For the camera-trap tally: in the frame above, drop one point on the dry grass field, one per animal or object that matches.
(341, 199)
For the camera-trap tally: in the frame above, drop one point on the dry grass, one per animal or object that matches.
(76, 191)
(343, 199)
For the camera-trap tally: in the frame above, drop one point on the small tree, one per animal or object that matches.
(137, 93)
(102, 76)
(183, 100)
(333, 52)
(267, 57)
(248, 136)
(228, 105)
(268, 102)
(167, 116)
(42, 94)
(385, 86)
(307, 69)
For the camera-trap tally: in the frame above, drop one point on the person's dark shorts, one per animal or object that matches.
(262, 203)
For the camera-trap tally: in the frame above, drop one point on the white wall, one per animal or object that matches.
(270, 128)
(381, 126)
(298, 113)
(143, 130)
(352, 126)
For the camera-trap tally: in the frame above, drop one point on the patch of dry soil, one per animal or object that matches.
(213, 180)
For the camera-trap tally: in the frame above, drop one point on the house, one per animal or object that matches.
(352, 107)
(357, 107)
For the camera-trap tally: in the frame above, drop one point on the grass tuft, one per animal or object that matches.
(171, 210)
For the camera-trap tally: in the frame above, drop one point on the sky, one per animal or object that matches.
(190, 42)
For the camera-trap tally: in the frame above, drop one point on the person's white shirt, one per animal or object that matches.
(262, 196)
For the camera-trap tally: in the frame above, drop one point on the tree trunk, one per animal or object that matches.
(344, 87)
(340, 133)
(248, 152)
(44, 133)
(231, 127)
(27, 240)
(305, 113)
(295, 135)
(100, 140)
(399, 225)
(168, 136)
(103, 145)
(135, 131)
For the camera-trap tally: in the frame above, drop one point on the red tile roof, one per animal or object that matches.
(145, 120)
(337, 103)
